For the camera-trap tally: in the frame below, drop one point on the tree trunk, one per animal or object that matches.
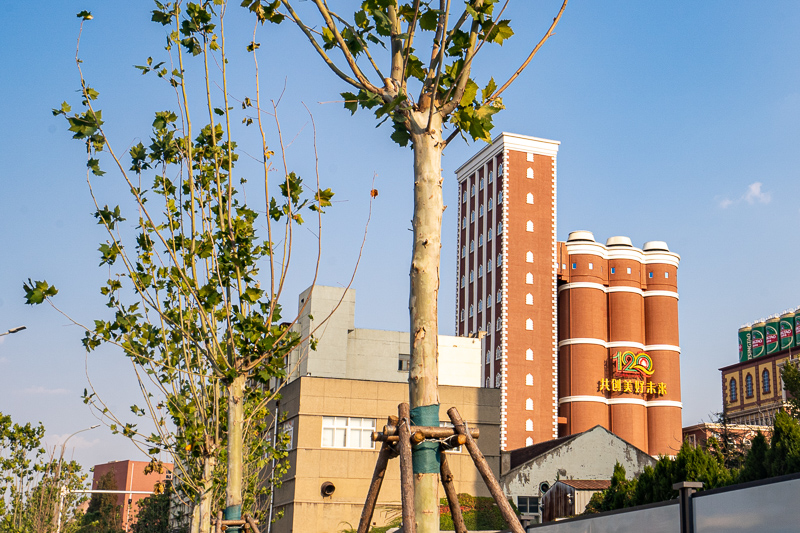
(233, 492)
(423, 307)
(206, 497)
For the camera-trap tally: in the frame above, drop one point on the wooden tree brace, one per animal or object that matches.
(486, 473)
(452, 496)
(427, 431)
(406, 469)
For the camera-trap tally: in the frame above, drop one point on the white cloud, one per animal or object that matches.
(76, 442)
(753, 195)
(42, 390)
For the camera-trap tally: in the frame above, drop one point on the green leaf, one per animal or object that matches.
(94, 165)
(253, 46)
(350, 102)
(65, 108)
(85, 15)
(400, 135)
(37, 291)
(470, 90)
(219, 111)
(500, 32)
(429, 20)
(489, 90)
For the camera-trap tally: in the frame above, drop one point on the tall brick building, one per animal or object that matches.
(577, 333)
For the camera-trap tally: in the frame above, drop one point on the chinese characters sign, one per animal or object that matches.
(632, 365)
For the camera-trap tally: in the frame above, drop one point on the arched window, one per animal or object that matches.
(480, 240)
(528, 441)
(499, 228)
(481, 183)
(529, 278)
(500, 198)
(488, 305)
(529, 299)
(499, 259)
(464, 222)
(733, 390)
(765, 381)
(489, 265)
(463, 281)
(462, 315)
(488, 383)
(529, 355)
(529, 425)
(489, 205)
(471, 310)
(463, 251)
(464, 196)
(529, 198)
(480, 304)
(472, 245)
(529, 380)
(472, 216)
(488, 356)
(497, 353)
(748, 386)
(499, 325)
(491, 175)
(472, 191)
(529, 257)
(471, 276)
(480, 211)
(497, 379)
(480, 271)
(529, 324)
(529, 225)
(529, 404)
(529, 173)
(499, 293)
(489, 234)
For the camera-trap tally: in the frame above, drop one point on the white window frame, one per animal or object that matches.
(347, 432)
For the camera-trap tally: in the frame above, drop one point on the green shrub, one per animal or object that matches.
(480, 513)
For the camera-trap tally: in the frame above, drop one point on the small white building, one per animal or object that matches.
(344, 351)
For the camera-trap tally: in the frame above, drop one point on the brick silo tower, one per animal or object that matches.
(618, 343)
(661, 335)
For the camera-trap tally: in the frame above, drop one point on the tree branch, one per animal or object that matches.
(547, 35)
(336, 70)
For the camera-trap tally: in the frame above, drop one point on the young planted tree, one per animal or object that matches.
(411, 63)
(203, 329)
(35, 484)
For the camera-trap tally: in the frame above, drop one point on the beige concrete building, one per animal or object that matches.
(344, 390)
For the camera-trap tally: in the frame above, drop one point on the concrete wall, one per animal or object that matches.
(343, 351)
(308, 399)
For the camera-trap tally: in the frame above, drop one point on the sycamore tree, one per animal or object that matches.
(411, 63)
(35, 484)
(195, 272)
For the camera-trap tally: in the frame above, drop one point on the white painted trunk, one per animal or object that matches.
(233, 492)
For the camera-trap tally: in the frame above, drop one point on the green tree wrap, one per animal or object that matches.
(234, 512)
(425, 455)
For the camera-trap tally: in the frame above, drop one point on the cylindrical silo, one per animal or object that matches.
(582, 335)
(745, 347)
(771, 335)
(663, 345)
(758, 339)
(786, 331)
(626, 279)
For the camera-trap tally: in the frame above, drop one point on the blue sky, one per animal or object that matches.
(679, 121)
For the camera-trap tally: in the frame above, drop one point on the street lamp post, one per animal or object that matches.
(57, 517)
(13, 330)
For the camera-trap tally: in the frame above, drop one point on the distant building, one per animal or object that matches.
(740, 435)
(567, 325)
(528, 473)
(130, 476)
(343, 391)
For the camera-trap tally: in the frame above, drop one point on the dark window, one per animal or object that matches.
(748, 386)
(733, 390)
(765, 381)
(528, 504)
(404, 360)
